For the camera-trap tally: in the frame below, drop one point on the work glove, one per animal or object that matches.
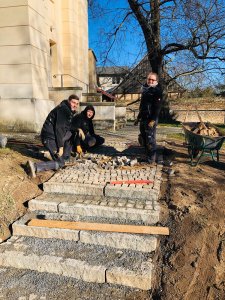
(60, 151)
(151, 124)
(81, 134)
(79, 150)
(136, 122)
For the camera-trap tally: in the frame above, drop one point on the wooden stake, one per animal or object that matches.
(99, 227)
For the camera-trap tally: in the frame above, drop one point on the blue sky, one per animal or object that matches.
(125, 51)
(129, 47)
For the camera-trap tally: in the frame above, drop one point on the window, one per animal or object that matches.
(115, 80)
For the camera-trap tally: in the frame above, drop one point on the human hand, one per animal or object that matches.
(151, 123)
(60, 151)
(81, 134)
(136, 122)
(79, 150)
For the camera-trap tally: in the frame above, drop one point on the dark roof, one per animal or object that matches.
(132, 82)
(112, 70)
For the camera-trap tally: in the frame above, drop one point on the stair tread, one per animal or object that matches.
(94, 254)
(73, 259)
(137, 242)
(16, 283)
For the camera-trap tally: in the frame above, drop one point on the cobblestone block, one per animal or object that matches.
(145, 194)
(129, 205)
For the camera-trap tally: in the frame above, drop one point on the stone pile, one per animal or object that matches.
(107, 162)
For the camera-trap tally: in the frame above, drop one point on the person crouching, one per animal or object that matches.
(83, 127)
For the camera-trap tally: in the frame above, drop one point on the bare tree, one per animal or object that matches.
(183, 37)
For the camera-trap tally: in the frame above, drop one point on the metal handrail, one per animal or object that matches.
(61, 75)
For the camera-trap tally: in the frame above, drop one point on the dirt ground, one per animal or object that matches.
(191, 260)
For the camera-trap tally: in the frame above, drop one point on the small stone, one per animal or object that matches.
(119, 253)
(133, 162)
(171, 172)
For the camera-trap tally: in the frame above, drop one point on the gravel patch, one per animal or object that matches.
(93, 254)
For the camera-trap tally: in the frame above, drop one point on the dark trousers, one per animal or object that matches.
(51, 146)
(148, 137)
(89, 141)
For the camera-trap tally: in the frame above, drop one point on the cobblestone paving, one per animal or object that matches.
(100, 174)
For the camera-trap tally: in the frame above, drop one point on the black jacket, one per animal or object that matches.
(83, 122)
(151, 103)
(57, 123)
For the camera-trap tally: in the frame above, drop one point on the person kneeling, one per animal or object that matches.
(56, 136)
(83, 127)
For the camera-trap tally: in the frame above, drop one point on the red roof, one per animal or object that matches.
(105, 93)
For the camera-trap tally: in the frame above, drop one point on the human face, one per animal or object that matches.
(90, 113)
(152, 80)
(74, 103)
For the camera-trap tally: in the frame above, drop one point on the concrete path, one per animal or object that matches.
(88, 191)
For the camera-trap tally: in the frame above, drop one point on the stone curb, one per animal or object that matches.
(139, 279)
(53, 264)
(78, 269)
(143, 243)
(120, 240)
(147, 216)
(72, 188)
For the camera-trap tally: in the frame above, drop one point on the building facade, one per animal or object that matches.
(111, 77)
(43, 46)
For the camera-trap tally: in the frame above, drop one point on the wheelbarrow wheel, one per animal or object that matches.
(193, 152)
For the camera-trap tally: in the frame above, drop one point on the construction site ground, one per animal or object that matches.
(190, 262)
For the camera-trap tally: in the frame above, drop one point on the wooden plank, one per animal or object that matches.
(99, 227)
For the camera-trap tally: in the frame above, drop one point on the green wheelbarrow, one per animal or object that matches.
(202, 145)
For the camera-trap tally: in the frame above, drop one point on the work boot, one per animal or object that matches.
(31, 169)
(69, 160)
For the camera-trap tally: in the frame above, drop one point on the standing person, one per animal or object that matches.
(56, 136)
(150, 106)
(83, 125)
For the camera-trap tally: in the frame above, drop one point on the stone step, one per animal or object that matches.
(23, 284)
(110, 190)
(74, 207)
(89, 180)
(136, 242)
(85, 262)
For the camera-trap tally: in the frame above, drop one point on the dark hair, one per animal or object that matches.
(73, 97)
(89, 107)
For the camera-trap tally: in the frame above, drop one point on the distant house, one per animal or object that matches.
(129, 88)
(110, 77)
